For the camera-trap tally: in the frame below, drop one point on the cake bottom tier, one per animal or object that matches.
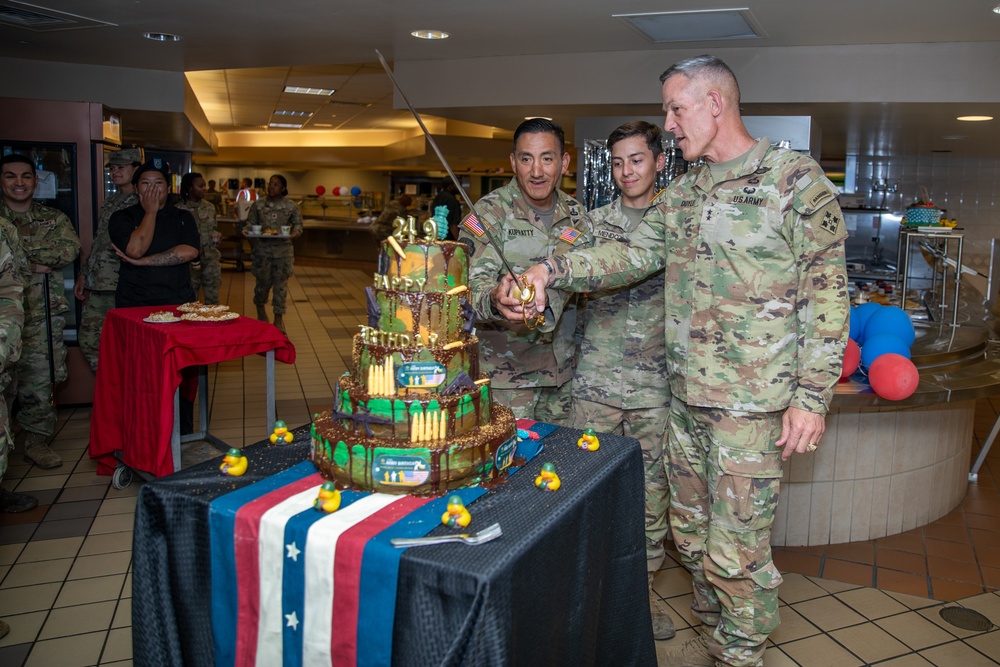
(426, 468)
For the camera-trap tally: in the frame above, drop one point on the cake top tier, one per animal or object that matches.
(423, 266)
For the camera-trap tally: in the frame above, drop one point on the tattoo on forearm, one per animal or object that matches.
(165, 258)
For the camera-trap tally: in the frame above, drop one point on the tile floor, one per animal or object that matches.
(65, 582)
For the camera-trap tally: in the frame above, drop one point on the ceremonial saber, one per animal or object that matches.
(527, 293)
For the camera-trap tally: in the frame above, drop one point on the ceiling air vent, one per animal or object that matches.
(694, 26)
(40, 19)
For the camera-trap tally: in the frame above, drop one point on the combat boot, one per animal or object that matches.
(663, 625)
(11, 503)
(692, 653)
(279, 323)
(262, 314)
(37, 451)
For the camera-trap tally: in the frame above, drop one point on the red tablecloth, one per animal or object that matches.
(140, 369)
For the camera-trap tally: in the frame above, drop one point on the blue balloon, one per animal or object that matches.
(883, 343)
(859, 317)
(355, 191)
(891, 320)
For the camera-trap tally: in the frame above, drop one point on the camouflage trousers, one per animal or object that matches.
(6, 441)
(724, 473)
(545, 404)
(272, 267)
(648, 426)
(95, 309)
(209, 275)
(35, 410)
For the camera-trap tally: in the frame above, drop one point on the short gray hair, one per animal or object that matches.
(704, 66)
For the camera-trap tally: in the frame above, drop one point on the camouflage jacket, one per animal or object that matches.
(47, 238)
(204, 214)
(622, 356)
(513, 355)
(13, 270)
(756, 318)
(272, 214)
(101, 267)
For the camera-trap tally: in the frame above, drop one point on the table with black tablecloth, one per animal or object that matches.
(565, 584)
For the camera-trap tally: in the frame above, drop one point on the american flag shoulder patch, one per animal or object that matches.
(570, 235)
(473, 224)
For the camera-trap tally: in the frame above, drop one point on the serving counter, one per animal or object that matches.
(884, 467)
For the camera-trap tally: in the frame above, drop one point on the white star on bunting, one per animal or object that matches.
(293, 552)
(293, 621)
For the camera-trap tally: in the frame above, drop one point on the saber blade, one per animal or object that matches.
(447, 167)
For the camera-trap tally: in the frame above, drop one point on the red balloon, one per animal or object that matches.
(320, 189)
(852, 357)
(893, 376)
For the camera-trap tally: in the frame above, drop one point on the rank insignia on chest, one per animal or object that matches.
(830, 222)
(569, 235)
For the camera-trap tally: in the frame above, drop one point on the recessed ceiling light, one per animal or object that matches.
(302, 90)
(430, 34)
(289, 126)
(286, 112)
(534, 117)
(161, 36)
(974, 119)
(322, 124)
(996, 10)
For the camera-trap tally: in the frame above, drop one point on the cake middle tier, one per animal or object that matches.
(378, 355)
(410, 416)
(436, 318)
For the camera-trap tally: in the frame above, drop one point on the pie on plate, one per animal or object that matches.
(199, 307)
(161, 317)
(208, 317)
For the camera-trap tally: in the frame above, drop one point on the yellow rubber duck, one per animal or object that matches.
(234, 463)
(588, 441)
(281, 432)
(548, 480)
(456, 515)
(328, 499)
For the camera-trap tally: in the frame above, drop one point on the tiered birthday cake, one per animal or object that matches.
(415, 415)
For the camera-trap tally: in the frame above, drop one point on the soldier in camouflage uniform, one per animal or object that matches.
(49, 243)
(98, 279)
(207, 272)
(530, 369)
(13, 268)
(620, 385)
(756, 327)
(13, 273)
(273, 259)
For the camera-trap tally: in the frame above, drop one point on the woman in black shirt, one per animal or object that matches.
(156, 242)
